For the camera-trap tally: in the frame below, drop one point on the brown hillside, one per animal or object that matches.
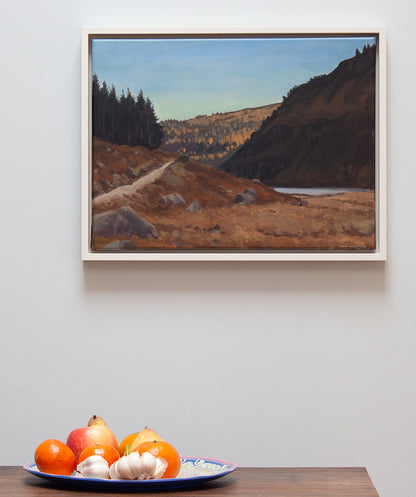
(193, 181)
(323, 134)
(216, 210)
(211, 139)
(117, 165)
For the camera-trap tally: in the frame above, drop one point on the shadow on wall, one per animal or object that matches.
(279, 277)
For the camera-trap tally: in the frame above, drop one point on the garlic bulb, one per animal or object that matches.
(138, 467)
(94, 467)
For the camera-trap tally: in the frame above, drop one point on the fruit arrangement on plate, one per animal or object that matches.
(94, 452)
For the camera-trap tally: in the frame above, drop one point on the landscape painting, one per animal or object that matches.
(232, 143)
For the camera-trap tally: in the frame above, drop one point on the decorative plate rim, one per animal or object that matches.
(229, 467)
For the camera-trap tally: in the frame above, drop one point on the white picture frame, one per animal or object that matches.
(376, 253)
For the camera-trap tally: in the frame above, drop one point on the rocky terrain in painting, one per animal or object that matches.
(212, 139)
(321, 135)
(151, 200)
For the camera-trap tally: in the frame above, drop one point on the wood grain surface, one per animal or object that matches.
(244, 482)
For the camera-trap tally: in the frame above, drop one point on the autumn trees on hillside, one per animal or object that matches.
(124, 120)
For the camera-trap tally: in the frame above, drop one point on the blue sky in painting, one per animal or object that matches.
(187, 77)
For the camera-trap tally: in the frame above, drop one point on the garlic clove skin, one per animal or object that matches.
(138, 467)
(124, 468)
(94, 467)
(161, 466)
(148, 466)
(114, 475)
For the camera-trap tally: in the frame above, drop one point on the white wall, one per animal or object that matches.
(277, 364)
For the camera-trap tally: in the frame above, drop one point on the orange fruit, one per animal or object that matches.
(166, 451)
(55, 457)
(109, 453)
(122, 448)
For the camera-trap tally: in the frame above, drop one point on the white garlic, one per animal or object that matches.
(138, 467)
(94, 467)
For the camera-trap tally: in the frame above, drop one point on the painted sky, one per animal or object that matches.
(187, 77)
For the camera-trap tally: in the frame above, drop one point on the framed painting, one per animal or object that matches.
(261, 144)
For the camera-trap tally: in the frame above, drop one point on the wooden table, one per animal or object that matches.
(243, 482)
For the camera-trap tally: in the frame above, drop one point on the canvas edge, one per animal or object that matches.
(85, 146)
(382, 144)
(379, 254)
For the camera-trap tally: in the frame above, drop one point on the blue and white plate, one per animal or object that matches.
(194, 470)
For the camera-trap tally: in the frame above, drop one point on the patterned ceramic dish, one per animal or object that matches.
(194, 470)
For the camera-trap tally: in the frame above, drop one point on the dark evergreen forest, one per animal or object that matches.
(124, 120)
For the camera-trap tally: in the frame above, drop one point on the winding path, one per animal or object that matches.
(127, 190)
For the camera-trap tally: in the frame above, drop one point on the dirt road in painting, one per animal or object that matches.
(129, 190)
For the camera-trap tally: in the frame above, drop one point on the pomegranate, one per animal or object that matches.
(97, 432)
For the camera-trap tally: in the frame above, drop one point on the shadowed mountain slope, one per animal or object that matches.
(321, 135)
